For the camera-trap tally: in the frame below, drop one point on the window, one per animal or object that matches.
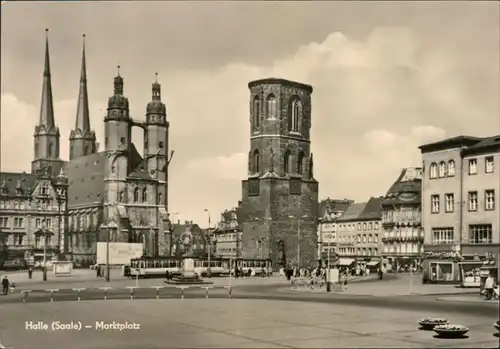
(160, 145)
(256, 161)
(293, 121)
(122, 196)
(489, 164)
(481, 234)
(370, 226)
(442, 236)
(256, 113)
(48, 223)
(434, 203)
(489, 200)
(160, 198)
(38, 223)
(359, 226)
(451, 168)
(433, 171)
(300, 163)
(473, 201)
(449, 203)
(442, 169)
(271, 107)
(286, 162)
(473, 166)
(51, 150)
(375, 227)
(144, 195)
(136, 194)
(20, 239)
(122, 140)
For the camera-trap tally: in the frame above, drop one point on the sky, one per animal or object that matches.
(387, 77)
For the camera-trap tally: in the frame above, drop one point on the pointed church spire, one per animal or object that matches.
(47, 105)
(82, 112)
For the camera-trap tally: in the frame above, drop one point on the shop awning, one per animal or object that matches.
(346, 261)
(372, 263)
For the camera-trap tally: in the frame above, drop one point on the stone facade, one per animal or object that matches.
(280, 196)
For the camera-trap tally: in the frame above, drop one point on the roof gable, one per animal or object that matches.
(86, 179)
(372, 209)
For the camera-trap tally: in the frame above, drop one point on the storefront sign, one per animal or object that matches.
(442, 255)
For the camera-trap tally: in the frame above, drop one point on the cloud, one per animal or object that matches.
(225, 167)
(376, 98)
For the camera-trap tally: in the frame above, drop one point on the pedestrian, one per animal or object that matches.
(30, 272)
(98, 271)
(5, 285)
(488, 287)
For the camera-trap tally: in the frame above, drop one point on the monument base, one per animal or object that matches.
(188, 276)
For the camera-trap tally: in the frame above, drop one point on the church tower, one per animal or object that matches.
(46, 137)
(156, 153)
(117, 143)
(82, 140)
(156, 143)
(280, 196)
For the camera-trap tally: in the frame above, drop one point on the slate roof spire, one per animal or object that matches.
(47, 105)
(82, 112)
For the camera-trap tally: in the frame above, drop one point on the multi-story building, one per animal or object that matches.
(116, 192)
(329, 211)
(199, 242)
(359, 233)
(228, 234)
(31, 215)
(402, 222)
(280, 196)
(460, 191)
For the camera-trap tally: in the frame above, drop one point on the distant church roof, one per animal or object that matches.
(10, 182)
(86, 179)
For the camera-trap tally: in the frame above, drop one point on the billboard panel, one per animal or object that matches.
(120, 253)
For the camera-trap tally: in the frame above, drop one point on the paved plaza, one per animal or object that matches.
(233, 323)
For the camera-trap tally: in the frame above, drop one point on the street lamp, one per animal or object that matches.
(44, 234)
(209, 244)
(299, 221)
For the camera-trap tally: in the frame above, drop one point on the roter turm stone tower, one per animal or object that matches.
(280, 196)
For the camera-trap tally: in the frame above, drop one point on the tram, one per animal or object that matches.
(158, 266)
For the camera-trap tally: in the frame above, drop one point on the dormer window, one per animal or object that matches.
(160, 145)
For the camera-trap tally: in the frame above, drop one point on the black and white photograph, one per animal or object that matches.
(249, 174)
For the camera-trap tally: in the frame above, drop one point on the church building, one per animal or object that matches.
(116, 194)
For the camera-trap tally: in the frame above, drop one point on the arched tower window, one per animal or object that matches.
(442, 169)
(451, 168)
(136, 194)
(271, 107)
(256, 161)
(286, 162)
(433, 171)
(51, 150)
(144, 195)
(160, 198)
(300, 163)
(294, 116)
(122, 197)
(256, 113)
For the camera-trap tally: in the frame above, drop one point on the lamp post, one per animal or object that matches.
(299, 223)
(44, 232)
(209, 244)
(107, 253)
